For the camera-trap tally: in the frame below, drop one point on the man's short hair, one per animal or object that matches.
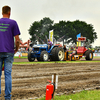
(6, 9)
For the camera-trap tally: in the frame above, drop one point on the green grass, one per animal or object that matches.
(20, 57)
(32, 62)
(96, 57)
(55, 62)
(84, 95)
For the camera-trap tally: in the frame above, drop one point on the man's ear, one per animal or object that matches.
(9, 13)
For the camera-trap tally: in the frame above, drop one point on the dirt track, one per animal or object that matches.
(29, 81)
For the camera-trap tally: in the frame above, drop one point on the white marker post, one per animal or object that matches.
(56, 84)
(55, 80)
(52, 78)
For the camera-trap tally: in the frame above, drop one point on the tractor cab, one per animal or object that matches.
(81, 41)
(81, 47)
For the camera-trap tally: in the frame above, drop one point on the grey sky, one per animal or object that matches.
(27, 11)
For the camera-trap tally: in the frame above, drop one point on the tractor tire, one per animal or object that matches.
(59, 54)
(44, 56)
(53, 56)
(38, 59)
(30, 59)
(89, 55)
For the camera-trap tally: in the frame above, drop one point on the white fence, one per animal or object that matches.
(25, 54)
(17, 54)
(96, 54)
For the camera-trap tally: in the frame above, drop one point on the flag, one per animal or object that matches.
(51, 35)
(78, 35)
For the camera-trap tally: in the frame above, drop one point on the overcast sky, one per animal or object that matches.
(25, 12)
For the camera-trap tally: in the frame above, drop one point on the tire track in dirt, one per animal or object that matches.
(29, 81)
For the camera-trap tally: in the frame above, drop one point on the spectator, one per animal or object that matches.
(8, 30)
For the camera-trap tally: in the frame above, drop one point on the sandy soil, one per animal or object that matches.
(29, 81)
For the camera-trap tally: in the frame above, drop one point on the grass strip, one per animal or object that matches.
(56, 62)
(84, 95)
(20, 58)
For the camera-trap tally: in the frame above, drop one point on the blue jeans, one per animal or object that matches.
(8, 60)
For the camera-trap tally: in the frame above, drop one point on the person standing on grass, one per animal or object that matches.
(8, 31)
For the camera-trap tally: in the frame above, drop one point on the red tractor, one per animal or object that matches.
(79, 51)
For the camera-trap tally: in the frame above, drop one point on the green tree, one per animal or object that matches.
(39, 30)
(71, 29)
(65, 29)
(86, 30)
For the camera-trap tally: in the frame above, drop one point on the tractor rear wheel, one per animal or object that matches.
(53, 56)
(57, 54)
(60, 54)
(89, 55)
(44, 56)
(29, 57)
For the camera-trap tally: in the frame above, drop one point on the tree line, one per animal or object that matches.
(39, 30)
